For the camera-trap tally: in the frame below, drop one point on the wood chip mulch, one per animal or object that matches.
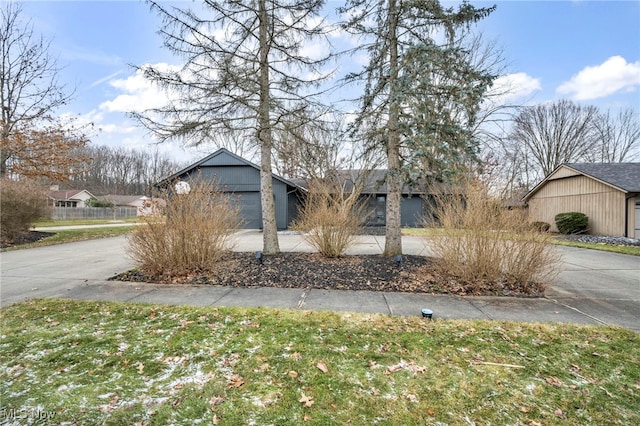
(23, 238)
(361, 272)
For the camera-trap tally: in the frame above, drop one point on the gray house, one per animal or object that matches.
(240, 178)
(413, 205)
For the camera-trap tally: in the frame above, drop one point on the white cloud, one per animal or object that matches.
(139, 93)
(512, 87)
(593, 82)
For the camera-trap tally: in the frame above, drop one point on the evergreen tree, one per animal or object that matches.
(420, 89)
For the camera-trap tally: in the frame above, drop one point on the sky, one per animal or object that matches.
(582, 50)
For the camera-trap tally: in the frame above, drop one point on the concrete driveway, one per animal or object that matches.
(593, 287)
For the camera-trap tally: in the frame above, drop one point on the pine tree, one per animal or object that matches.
(411, 103)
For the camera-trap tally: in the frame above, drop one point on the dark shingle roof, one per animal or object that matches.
(625, 176)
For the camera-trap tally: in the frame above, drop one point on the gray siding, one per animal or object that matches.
(412, 211)
(244, 183)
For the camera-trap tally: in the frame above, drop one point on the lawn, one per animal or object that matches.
(115, 363)
(75, 222)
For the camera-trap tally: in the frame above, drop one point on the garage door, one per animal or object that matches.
(250, 210)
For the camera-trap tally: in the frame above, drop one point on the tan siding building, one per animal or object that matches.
(609, 194)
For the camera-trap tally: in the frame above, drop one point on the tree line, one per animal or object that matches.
(122, 171)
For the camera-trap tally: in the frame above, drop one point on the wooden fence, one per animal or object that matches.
(114, 213)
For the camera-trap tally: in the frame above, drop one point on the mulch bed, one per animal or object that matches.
(361, 272)
(27, 237)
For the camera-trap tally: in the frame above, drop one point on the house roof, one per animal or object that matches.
(129, 200)
(624, 177)
(375, 182)
(235, 159)
(68, 194)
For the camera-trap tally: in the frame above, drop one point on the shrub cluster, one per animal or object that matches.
(540, 226)
(21, 204)
(188, 235)
(330, 218)
(572, 222)
(480, 242)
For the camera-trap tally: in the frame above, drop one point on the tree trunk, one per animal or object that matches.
(393, 239)
(269, 225)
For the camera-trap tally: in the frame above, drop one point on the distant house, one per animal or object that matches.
(69, 197)
(240, 177)
(144, 205)
(608, 193)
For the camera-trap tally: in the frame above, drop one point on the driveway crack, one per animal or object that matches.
(305, 293)
(578, 311)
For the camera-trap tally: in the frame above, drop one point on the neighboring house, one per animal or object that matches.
(608, 193)
(241, 178)
(69, 197)
(144, 205)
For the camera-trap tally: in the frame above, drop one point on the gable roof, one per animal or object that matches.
(375, 181)
(222, 157)
(624, 177)
(68, 194)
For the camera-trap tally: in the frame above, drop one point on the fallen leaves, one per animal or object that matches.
(403, 365)
(554, 381)
(322, 367)
(306, 401)
(215, 401)
(235, 381)
(560, 413)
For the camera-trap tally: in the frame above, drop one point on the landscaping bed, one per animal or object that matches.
(23, 238)
(357, 272)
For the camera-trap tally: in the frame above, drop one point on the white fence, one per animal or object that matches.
(114, 213)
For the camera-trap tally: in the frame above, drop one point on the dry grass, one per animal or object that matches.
(193, 236)
(330, 218)
(22, 202)
(479, 241)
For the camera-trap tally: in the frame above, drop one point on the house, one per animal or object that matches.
(68, 197)
(608, 193)
(144, 205)
(374, 189)
(241, 178)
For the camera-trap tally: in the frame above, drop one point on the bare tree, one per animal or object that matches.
(122, 171)
(243, 73)
(310, 148)
(618, 137)
(33, 141)
(555, 133)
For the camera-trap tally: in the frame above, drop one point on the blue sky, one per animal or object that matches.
(587, 51)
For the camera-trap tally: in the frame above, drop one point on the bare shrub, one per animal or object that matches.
(481, 242)
(331, 217)
(22, 202)
(187, 235)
